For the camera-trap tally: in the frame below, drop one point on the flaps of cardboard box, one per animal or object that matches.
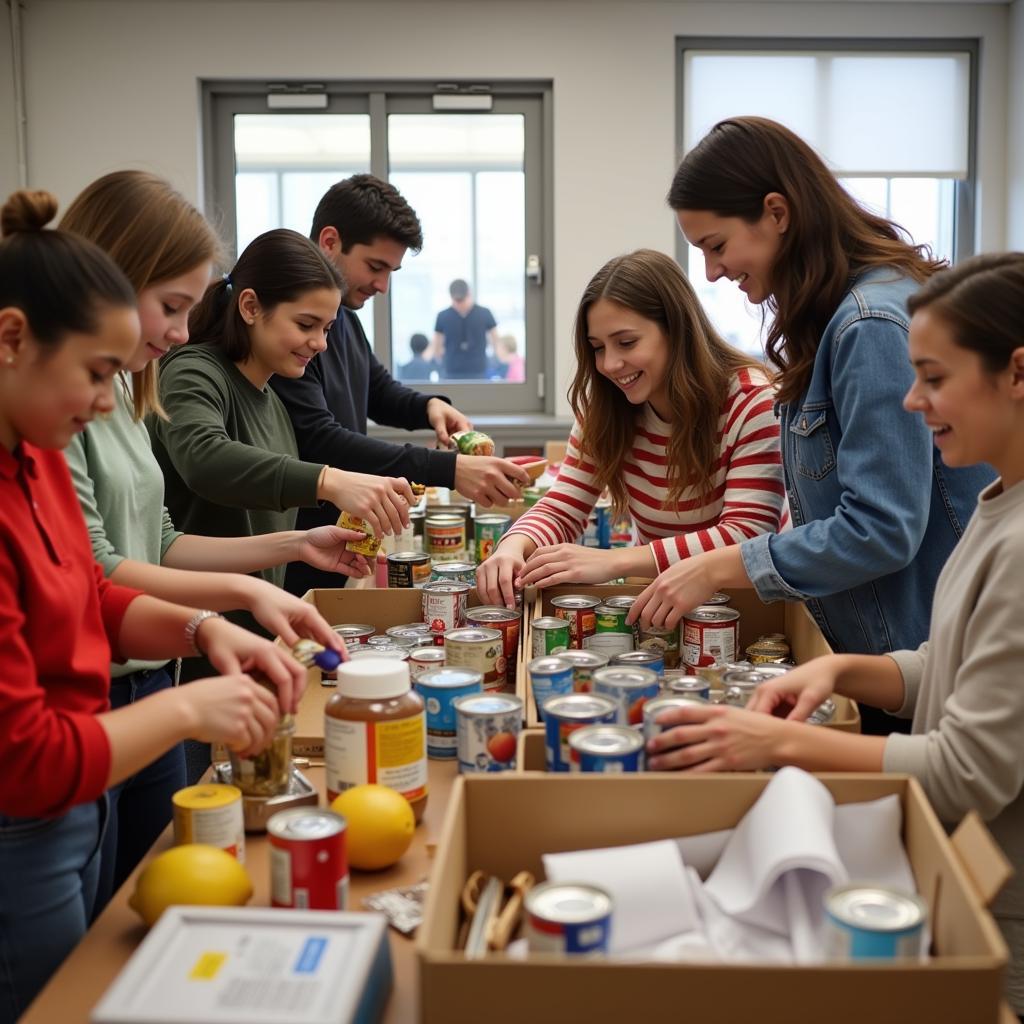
(756, 619)
(378, 608)
(503, 824)
(986, 864)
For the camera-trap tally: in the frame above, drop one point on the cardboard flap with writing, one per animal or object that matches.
(985, 863)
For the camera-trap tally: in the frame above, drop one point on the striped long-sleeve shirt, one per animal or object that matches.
(747, 497)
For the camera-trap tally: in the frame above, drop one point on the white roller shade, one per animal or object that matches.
(875, 114)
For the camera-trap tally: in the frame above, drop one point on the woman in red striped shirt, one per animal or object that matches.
(673, 421)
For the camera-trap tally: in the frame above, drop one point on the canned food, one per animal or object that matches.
(423, 659)
(712, 674)
(408, 569)
(872, 922)
(550, 676)
(621, 601)
(354, 632)
(718, 598)
(563, 715)
(584, 664)
(444, 605)
(210, 813)
(663, 641)
(410, 636)
(391, 651)
(480, 649)
(379, 640)
(567, 919)
(506, 621)
(488, 530)
(488, 726)
(408, 629)
(550, 636)
(308, 859)
(666, 702)
(454, 572)
(630, 688)
(822, 714)
(641, 659)
(578, 611)
(740, 684)
(686, 686)
(609, 749)
(446, 538)
(710, 631)
(611, 633)
(440, 688)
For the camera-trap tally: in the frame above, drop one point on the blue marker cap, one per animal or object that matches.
(327, 660)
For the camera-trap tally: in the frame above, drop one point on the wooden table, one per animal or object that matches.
(87, 973)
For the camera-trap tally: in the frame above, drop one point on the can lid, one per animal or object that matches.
(370, 678)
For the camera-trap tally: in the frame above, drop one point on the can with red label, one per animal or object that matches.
(308, 859)
(444, 605)
(446, 538)
(578, 611)
(507, 622)
(710, 631)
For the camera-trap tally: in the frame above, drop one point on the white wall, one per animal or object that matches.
(1015, 133)
(112, 84)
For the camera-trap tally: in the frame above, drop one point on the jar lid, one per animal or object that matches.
(373, 678)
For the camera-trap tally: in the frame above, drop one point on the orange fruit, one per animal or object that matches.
(381, 824)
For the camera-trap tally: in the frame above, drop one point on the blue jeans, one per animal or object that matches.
(140, 807)
(49, 868)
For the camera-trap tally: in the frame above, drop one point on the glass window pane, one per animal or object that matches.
(463, 174)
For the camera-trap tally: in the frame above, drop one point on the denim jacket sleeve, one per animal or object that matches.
(883, 467)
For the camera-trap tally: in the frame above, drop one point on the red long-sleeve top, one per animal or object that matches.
(59, 623)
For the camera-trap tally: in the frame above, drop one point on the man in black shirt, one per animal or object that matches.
(364, 227)
(461, 335)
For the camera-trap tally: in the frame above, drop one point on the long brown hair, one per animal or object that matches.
(830, 238)
(700, 367)
(153, 233)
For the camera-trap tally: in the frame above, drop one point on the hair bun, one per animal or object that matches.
(27, 211)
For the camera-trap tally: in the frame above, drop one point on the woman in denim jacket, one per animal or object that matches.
(874, 511)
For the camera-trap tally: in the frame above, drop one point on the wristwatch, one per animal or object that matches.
(192, 629)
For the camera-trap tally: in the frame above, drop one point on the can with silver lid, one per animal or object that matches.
(718, 598)
(445, 538)
(392, 651)
(563, 716)
(454, 572)
(550, 636)
(662, 641)
(507, 622)
(578, 611)
(608, 749)
(621, 601)
(739, 685)
(683, 685)
(711, 634)
(444, 605)
(568, 919)
(874, 922)
(408, 569)
(823, 713)
(584, 665)
(550, 676)
(611, 633)
(423, 659)
(488, 727)
(440, 688)
(630, 688)
(666, 702)
(488, 530)
(652, 660)
(480, 649)
(308, 859)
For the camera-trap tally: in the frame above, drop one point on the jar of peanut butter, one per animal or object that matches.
(375, 730)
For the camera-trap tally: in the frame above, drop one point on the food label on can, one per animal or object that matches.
(447, 543)
(390, 753)
(716, 641)
(222, 826)
(487, 658)
(610, 643)
(582, 624)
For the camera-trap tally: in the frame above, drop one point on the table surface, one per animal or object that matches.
(87, 973)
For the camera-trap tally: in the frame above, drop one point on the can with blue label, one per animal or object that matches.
(872, 922)
(666, 702)
(567, 918)
(488, 727)
(630, 688)
(440, 688)
(654, 660)
(608, 749)
(563, 716)
(550, 676)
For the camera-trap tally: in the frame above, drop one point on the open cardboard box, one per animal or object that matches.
(502, 824)
(377, 608)
(756, 619)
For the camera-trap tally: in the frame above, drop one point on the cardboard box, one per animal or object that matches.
(377, 608)
(756, 619)
(503, 824)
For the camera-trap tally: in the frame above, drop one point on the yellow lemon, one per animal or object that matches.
(192, 874)
(380, 825)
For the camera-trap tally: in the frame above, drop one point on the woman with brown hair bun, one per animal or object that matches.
(674, 422)
(874, 510)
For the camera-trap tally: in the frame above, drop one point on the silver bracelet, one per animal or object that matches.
(192, 629)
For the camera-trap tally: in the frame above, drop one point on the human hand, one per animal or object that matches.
(715, 738)
(289, 617)
(567, 563)
(794, 695)
(446, 420)
(679, 589)
(324, 548)
(232, 650)
(383, 501)
(495, 575)
(230, 709)
(488, 480)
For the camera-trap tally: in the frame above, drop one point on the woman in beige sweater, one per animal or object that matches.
(963, 687)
